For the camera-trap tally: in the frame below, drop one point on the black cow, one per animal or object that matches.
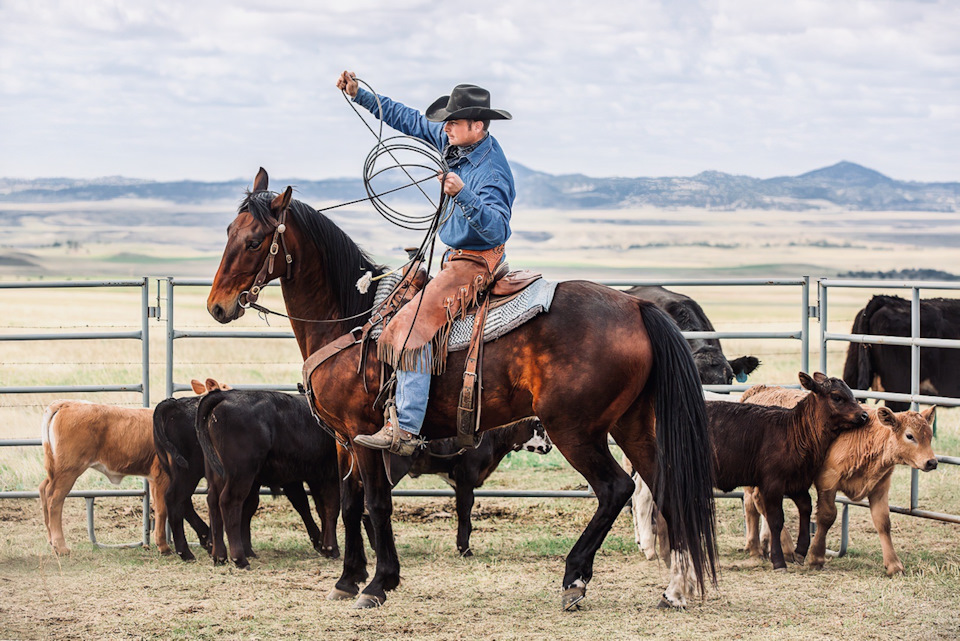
(713, 366)
(886, 368)
(175, 437)
(467, 471)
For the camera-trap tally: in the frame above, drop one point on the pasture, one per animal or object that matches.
(510, 589)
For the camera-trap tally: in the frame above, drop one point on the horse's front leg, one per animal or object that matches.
(351, 509)
(377, 491)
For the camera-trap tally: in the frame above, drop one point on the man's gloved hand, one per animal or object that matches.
(347, 82)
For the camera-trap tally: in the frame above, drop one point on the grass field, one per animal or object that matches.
(509, 590)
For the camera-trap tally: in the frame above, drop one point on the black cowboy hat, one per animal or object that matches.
(468, 102)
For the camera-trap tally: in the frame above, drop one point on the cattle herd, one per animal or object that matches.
(774, 442)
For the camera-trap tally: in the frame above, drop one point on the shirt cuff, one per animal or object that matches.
(363, 97)
(467, 201)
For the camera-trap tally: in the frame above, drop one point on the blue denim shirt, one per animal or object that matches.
(481, 218)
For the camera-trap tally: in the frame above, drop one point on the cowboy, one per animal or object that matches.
(481, 185)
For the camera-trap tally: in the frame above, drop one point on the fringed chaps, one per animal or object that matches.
(428, 317)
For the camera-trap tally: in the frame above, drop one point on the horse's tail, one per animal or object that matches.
(684, 480)
(207, 404)
(165, 447)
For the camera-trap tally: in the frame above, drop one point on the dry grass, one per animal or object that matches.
(509, 590)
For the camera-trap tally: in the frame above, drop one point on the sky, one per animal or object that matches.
(208, 91)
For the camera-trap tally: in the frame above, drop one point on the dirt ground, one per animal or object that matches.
(509, 590)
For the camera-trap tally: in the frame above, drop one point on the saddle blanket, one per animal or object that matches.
(530, 302)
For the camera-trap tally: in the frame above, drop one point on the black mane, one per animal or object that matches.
(343, 261)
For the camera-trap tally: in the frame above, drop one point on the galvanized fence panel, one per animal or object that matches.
(802, 335)
(915, 342)
(143, 387)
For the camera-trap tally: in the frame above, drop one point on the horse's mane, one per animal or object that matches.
(343, 261)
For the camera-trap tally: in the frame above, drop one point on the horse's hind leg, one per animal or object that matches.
(586, 450)
(636, 436)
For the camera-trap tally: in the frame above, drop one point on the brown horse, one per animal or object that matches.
(599, 363)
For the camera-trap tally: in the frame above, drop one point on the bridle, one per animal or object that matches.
(247, 298)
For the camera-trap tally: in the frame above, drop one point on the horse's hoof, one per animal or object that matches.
(336, 594)
(572, 597)
(367, 601)
(666, 605)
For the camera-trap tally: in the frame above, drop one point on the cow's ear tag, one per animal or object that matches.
(741, 378)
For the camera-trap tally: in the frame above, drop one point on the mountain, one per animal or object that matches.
(844, 184)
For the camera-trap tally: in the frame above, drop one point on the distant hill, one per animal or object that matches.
(844, 184)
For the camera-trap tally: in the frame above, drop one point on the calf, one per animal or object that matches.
(181, 457)
(860, 464)
(117, 441)
(254, 438)
(780, 450)
(468, 470)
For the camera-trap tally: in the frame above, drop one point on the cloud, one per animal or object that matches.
(214, 90)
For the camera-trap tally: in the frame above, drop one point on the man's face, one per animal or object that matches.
(463, 132)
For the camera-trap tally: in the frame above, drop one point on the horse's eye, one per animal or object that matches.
(254, 244)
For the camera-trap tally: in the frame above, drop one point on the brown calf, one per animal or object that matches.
(860, 464)
(117, 441)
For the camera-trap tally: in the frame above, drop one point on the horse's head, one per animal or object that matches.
(256, 251)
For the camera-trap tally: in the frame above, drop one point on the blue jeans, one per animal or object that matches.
(413, 392)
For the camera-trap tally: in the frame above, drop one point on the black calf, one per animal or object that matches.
(254, 438)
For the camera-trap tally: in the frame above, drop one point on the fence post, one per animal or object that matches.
(145, 392)
(822, 306)
(170, 331)
(805, 325)
(914, 383)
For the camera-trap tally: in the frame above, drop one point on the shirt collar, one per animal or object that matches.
(474, 153)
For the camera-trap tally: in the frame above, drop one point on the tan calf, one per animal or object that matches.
(860, 464)
(117, 441)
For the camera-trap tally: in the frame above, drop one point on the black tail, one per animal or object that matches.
(858, 369)
(684, 487)
(207, 404)
(163, 444)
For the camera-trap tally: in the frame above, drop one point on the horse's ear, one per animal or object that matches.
(262, 181)
(197, 387)
(282, 201)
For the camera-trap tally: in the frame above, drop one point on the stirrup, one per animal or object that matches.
(400, 446)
